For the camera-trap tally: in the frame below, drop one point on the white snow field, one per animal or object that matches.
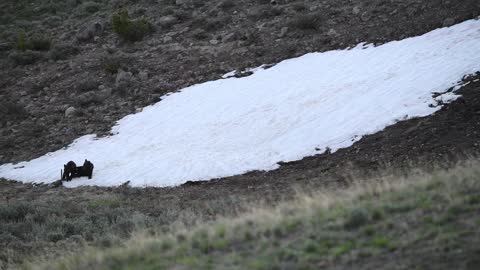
(295, 109)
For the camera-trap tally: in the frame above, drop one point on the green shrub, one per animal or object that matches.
(128, 29)
(36, 43)
(111, 64)
(305, 22)
(25, 58)
(22, 43)
(62, 51)
(357, 218)
(91, 7)
(40, 43)
(14, 212)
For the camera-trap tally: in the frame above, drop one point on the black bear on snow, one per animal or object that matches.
(70, 170)
(85, 170)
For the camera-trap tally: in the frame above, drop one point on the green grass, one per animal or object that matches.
(434, 213)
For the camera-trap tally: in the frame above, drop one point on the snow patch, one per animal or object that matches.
(297, 108)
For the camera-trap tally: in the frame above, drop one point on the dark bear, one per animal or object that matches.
(85, 170)
(69, 171)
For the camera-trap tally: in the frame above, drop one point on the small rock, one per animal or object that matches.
(448, 22)
(123, 78)
(167, 21)
(356, 10)
(283, 32)
(228, 37)
(143, 75)
(332, 33)
(101, 87)
(214, 41)
(90, 32)
(365, 16)
(167, 39)
(70, 111)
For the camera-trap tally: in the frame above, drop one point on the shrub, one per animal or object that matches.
(88, 84)
(227, 4)
(40, 43)
(22, 43)
(62, 52)
(25, 58)
(357, 218)
(14, 110)
(305, 22)
(15, 212)
(36, 43)
(91, 7)
(55, 236)
(112, 63)
(299, 6)
(128, 29)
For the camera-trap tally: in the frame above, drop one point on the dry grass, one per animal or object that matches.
(369, 218)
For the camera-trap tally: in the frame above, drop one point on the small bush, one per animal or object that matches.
(25, 58)
(128, 29)
(36, 43)
(40, 43)
(91, 7)
(55, 236)
(358, 217)
(62, 52)
(88, 84)
(22, 43)
(227, 4)
(13, 110)
(299, 6)
(306, 22)
(15, 212)
(112, 63)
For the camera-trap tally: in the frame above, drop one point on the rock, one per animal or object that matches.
(228, 37)
(167, 39)
(356, 10)
(123, 77)
(214, 41)
(167, 21)
(448, 22)
(70, 112)
(143, 75)
(283, 32)
(365, 16)
(332, 33)
(88, 33)
(104, 94)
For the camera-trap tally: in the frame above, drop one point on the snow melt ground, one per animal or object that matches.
(292, 110)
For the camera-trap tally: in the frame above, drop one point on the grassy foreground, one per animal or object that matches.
(426, 221)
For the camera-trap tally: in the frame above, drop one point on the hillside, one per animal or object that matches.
(421, 222)
(395, 188)
(79, 65)
(316, 103)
